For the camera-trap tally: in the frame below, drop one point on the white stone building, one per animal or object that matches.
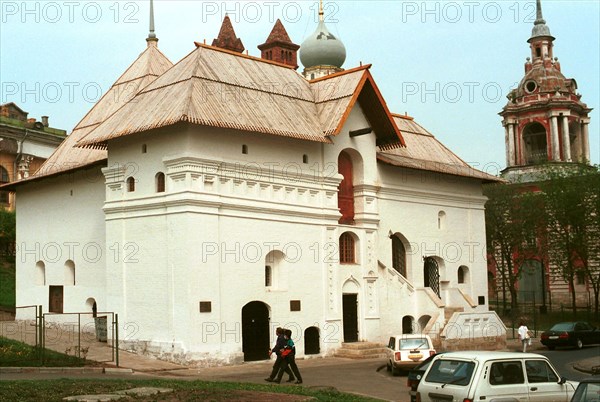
(232, 195)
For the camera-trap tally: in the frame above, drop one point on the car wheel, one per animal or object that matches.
(388, 366)
(395, 371)
(551, 347)
(578, 343)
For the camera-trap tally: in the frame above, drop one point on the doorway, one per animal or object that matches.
(350, 317)
(55, 300)
(255, 331)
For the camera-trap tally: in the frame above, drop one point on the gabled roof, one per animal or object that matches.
(337, 94)
(261, 96)
(150, 64)
(424, 152)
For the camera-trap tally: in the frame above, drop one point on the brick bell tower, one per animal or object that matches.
(279, 47)
(544, 119)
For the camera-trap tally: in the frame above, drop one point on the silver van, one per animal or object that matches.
(493, 377)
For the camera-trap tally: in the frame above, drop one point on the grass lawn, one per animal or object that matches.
(18, 354)
(7, 283)
(55, 390)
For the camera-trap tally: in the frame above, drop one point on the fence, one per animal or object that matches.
(57, 331)
(542, 310)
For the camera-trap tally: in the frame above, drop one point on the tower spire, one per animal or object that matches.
(152, 35)
(539, 17)
(539, 26)
(321, 12)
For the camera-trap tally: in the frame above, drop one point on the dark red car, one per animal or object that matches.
(576, 334)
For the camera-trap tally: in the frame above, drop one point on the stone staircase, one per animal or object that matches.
(361, 350)
(449, 311)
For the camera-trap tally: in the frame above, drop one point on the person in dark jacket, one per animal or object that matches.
(277, 349)
(289, 360)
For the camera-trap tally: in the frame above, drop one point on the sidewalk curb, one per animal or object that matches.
(50, 370)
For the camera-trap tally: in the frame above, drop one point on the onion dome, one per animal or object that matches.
(322, 48)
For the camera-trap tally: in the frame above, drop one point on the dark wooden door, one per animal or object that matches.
(255, 331)
(55, 302)
(350, 315)
(311, 341)
(346, 189)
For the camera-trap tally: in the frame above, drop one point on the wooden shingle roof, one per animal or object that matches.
(219, 88)
(424, 152)
(150, 64)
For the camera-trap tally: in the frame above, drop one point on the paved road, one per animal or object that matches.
(355, 376)
(564, 358)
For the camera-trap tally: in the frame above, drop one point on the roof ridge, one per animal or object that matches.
(245, 56)
(334, 75)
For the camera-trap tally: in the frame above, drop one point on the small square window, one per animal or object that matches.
(294, 305)
(205, 307)
(481, 300)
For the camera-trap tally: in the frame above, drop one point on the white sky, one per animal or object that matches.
(448, 64)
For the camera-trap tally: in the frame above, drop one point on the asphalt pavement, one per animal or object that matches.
(362, 377)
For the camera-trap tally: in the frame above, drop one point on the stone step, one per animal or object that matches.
(361, 350)
(361, 345)
(367, 356)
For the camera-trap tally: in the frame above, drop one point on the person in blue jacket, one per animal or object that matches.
(277, 349)
(289, 359)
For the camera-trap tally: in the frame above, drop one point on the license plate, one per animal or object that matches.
(553, 337)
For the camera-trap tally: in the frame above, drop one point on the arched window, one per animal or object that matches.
(346, 189)
(462, 274)
(69, 273)
(40, 273)
(160, 182)
(431, 275)
(347, 250)
(268, 276)
(130, 184)
(441, 220)
(275, 273)
(398, 255)
(536, 149)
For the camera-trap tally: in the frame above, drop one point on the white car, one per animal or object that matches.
(493, 376)
(406, 351)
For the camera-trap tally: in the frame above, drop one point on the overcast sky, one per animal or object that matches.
(448, 64)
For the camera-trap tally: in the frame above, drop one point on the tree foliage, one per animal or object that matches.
(513, 220)
(555, 220)
(8, 231)
(572, 205)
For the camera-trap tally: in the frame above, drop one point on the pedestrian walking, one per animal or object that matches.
(524, 337)
(289, 359)
(277, 349)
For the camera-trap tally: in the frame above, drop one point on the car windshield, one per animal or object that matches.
(563, 326)
(587, 392)
(454, 372)
(414, 343)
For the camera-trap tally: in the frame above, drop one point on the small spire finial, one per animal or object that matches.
(539, 17)
(152, 34)
(321, 13)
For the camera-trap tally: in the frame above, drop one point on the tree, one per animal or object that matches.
(571, 199)
(513, 221)
(8, 231)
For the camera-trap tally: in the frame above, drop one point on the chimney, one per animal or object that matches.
(45, 121)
